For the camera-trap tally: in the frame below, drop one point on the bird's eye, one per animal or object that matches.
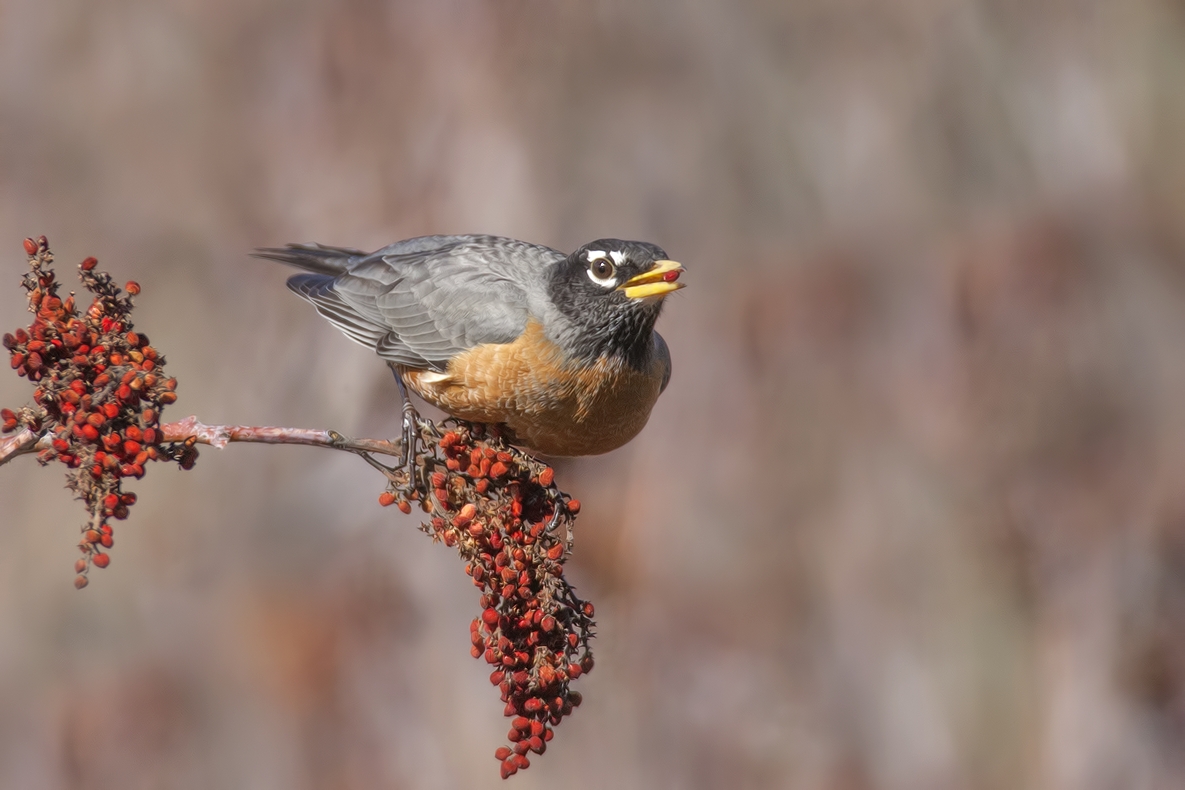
(602, 269)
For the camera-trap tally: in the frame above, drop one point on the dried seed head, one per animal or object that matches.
(501, 510)
(68, 354)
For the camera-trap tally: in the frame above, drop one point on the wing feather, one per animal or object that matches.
(318, 289)
(420, 302)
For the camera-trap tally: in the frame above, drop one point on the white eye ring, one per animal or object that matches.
(598, 260)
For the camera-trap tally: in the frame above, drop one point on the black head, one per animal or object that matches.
(612, 291)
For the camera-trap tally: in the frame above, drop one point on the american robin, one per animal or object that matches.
(560, 349)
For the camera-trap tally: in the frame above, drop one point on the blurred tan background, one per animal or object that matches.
(911, 514)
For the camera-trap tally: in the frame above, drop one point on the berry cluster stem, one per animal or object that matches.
(26, 442)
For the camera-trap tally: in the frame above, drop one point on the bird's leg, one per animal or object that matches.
(411, 431)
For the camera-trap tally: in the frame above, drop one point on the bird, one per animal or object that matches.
(558, 349)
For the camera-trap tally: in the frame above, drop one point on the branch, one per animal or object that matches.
(22, 443)
(26, 442)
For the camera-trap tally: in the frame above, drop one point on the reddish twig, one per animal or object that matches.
(26, 442)
(21, 443)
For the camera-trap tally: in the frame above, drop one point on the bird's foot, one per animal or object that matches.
(393, 473)
(411, 445)
(561, 509)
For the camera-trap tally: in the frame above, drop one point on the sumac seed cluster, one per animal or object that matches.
(501, 510)
(100, 390)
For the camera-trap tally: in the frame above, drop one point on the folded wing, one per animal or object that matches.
(422, 301)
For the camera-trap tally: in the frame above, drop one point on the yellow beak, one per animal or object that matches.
(660, 280)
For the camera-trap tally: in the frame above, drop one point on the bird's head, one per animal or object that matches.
(612, 291)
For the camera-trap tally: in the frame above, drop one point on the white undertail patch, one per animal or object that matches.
(432, 377)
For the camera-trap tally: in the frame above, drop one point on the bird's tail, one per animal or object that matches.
(311, 257)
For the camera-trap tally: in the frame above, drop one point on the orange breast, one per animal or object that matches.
(552, 405)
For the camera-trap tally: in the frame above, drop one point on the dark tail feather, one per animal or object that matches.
(311, 257)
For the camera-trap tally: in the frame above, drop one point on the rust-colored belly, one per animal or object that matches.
(551, 405)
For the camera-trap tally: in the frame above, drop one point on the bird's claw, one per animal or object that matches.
(560, 509)
(388, 471)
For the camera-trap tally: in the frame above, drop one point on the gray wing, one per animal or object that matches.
(422, 301)
(663, 354)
